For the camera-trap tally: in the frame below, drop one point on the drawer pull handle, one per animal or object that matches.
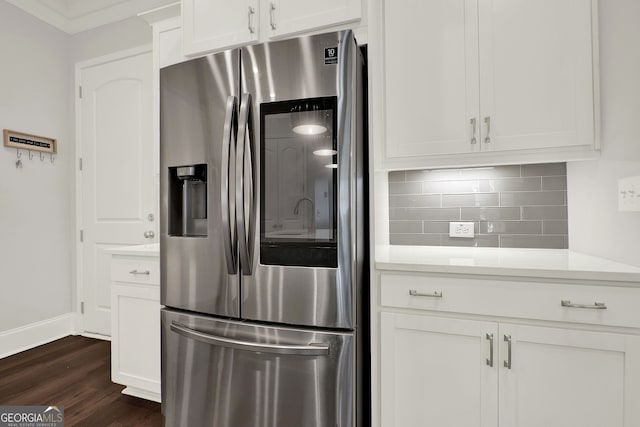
(146, 272)
(415, 293)
(595, 306)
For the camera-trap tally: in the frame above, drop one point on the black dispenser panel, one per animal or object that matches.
(188, 201)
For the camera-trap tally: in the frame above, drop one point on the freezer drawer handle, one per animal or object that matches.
(595, 306)
(291, 350)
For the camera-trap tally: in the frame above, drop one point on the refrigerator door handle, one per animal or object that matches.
(291, 350)
(226, 201)
(245, 218)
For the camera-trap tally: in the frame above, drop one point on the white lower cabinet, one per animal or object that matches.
(569, 378)
(434, 372)
(135, 325)
(452, 372)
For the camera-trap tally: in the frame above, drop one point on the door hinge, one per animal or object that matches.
(80, 92)
(81, 236)
(81, 307)
(80, 163)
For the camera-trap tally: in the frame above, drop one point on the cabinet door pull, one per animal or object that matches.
(146, 272)
(490, 359)
(434, 294)
(487, 121)
(252, 11)
(507, 363)
(272, 16)
(473, 131)
(595, 306)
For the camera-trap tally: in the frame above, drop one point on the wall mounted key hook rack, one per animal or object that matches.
(30, 143)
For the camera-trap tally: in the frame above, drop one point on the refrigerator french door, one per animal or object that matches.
(263, 236)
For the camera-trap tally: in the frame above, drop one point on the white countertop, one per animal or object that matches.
(151, 250)
(545, 263)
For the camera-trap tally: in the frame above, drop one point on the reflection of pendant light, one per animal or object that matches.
(308, 119)
(325, 152)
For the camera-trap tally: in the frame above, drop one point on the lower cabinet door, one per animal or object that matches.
(566, 378)
(438, 372)
(135, 339)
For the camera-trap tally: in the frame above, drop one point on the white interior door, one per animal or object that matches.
(117, 195)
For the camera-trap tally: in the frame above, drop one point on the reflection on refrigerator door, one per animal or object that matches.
(254, 375)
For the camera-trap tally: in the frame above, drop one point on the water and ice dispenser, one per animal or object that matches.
(188, 201)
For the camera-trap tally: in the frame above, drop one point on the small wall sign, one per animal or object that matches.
(30, 142)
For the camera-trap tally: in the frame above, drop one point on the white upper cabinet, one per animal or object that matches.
(210, 25)
(215, 24)
(469, 82)
(296, 16)
(536, 77)
(431, 88)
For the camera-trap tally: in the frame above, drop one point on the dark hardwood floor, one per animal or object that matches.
(74, 372)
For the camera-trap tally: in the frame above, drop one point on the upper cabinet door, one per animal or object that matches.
(297, 16)
(536, 78)
(430, 63)
(210, 25)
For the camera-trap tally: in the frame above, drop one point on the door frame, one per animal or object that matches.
(78, 289)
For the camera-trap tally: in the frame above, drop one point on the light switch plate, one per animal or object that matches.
(461, 229)
(629, 194)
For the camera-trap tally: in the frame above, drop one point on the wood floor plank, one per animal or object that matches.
(74, 372)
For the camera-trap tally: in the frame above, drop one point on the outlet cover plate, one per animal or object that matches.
(629, 194)
(461, 229)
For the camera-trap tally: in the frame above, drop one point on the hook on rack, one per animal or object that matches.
(41, 157)
(18, 153)
(30, 155)
(52, 158)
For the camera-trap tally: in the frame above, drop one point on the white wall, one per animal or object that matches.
(595, 225)
(110, 38)
(36, 202)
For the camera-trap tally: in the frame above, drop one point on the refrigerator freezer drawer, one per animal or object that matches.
(219, 373)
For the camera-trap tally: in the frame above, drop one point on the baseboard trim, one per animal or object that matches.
(96, 336)
(29, 336)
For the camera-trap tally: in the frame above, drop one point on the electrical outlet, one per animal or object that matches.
(629, 194)
(461, 229)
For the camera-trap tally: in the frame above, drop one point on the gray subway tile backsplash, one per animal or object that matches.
(533, 198)
(555, 227)
(466, 200)
(485, 214)
(545, 169)
(403, 227)
(416, 200)
(529, 241)
(519, 206)
(550, 183)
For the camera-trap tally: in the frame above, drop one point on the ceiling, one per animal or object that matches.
(73, 16)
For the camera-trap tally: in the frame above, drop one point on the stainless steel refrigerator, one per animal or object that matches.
(263, 234)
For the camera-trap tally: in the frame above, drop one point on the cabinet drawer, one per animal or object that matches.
(142, 270)
(529, 300)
